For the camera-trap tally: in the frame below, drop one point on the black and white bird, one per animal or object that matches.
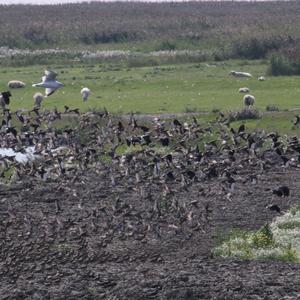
(49, 82)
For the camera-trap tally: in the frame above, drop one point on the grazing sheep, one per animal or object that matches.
(15, 84)
(249, 100)
(244, 90)
(85, 92)
(240, 74)
(38, 98)
(261, 78)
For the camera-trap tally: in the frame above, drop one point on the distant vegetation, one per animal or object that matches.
(217, 30)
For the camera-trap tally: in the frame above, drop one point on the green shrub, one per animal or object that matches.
(263, 238)
(281, 65)
(166, 46)
(255, 48)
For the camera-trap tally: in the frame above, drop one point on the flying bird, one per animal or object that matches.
(49, 82)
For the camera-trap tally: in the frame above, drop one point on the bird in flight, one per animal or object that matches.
(49, 82)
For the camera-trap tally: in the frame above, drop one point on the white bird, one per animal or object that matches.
(49, 82)
(85, 92)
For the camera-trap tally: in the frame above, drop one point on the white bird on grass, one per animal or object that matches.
(49, 82)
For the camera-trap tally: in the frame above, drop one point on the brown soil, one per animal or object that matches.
(82, 237)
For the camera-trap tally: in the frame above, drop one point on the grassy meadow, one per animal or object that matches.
(201, 87)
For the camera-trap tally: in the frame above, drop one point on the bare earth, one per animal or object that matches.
(83, 237)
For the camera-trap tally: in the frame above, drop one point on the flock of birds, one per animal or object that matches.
(110, 178)
(175, 154)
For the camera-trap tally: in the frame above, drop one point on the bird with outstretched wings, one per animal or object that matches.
(49, 82)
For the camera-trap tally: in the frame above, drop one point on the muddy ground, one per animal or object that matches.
(74, 248)
(111, 224)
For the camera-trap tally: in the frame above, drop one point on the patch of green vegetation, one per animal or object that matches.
(64, 248)
(289, 225)
(279, 240)
(280, 122)
(295, 209)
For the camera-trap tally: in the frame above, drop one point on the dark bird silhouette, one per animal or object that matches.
(177, 123)
(6, 97)
(164, 141)
(296, 121)
(274, 207)
(282, 191)
(241, 129)
(120, 126)
(170, 176)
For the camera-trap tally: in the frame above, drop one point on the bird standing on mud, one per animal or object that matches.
(49, 82)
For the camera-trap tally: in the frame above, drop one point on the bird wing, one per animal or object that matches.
(49, 91)
(49, 76)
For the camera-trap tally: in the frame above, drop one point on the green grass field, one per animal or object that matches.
(173, 88)
(202, 87)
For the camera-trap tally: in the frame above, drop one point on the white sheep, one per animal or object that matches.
(15, 84)
(261, 78)
(85, 93)
(240, 74)
(244, 90)
(249, 100)
(38, 98)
